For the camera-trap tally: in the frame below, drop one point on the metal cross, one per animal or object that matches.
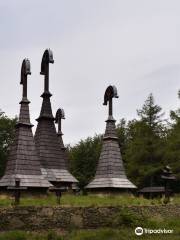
(110, 93)
(60, 114)
(25, 70)
(46, 59)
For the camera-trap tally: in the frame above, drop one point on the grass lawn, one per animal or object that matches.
(83, 201)
(100, 234)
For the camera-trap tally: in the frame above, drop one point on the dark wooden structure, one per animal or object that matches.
(60, 114)
(23, 161)
(17, 189)
(159, 191)
(110, 173)
(59, 189)
(53, 165)
(151, 192)
(168, 177)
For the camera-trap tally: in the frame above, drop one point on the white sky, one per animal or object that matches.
(134, 45)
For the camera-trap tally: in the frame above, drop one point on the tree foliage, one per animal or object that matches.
(144, 154)
(83, 159)
(6, 137)
(172, 150)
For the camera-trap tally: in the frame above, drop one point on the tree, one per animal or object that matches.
(145, 147)
(6, 136)
(121, 130)
(83, 159)
(151, 114)
(172, 151)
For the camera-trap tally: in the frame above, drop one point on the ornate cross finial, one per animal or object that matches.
(110, 93)
(25, 70)
(59, 115)
(46, 59)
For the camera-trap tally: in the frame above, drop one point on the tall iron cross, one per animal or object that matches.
(46, 59)
(25, 70)
(59, 116)
(110, 93)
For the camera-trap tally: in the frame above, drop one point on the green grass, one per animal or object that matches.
(123, 233)
(88, 200)
(118, 234)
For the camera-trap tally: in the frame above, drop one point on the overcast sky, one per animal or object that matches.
(132, 44)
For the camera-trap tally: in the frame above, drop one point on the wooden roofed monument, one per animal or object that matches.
(110, 173)
(23, 164)
(60, 114)
(53, 164)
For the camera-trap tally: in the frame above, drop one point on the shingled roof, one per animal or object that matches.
(58, 119)
(153, 189)
(110, 173)
(23, 162)
(60, 114)
(53, 165)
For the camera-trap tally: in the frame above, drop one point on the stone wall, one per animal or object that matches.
(37, 218)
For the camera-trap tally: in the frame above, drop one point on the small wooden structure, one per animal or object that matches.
(168, 178)
(160, 191)
(17, 191)
(151, 192)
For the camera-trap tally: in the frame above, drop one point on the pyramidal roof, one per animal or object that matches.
(60, 114)
(110, 172)
(23, 162)
(53, 165)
